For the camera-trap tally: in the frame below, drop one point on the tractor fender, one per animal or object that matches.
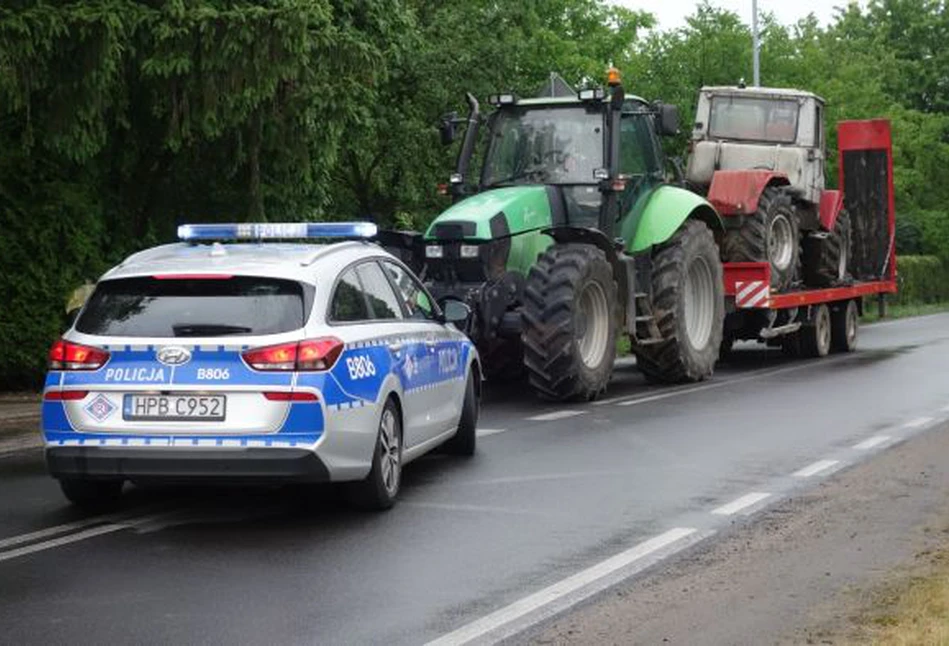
(736, 192)
(665, 210)
(831, 203)
(595, 237)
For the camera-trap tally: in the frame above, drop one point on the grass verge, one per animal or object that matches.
(911, 609)
(898, 311)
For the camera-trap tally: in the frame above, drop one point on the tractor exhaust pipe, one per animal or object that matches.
(458, 190)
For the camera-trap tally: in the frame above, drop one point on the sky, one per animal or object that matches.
(672, 13)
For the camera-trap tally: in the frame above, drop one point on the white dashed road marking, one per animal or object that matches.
(567, 592)
(740, 504)
(814, 469)
(918, 422)
(871, 442)
(490, 431)
(557, 414)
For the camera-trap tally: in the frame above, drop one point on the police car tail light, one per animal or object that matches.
(65, 395)
(319, 354)
(313, 354)
(72, 356)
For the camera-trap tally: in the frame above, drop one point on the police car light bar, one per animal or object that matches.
(276, 230)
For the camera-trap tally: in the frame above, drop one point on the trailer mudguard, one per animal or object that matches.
(658, 214)
(831, 202)
(736, 192)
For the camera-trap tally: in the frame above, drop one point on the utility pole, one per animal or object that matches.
(755, 44)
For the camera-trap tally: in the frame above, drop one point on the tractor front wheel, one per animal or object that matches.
(769, 235)
(570, 321)
(688, 305)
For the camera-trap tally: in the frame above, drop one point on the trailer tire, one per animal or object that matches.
(826, 258)
(769, 235)
(816, 334)
(844, 324)
(688, 303)
(570, 322)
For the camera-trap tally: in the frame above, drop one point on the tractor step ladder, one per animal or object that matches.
(646, 331)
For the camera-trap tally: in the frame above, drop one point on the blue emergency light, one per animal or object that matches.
(276, 230)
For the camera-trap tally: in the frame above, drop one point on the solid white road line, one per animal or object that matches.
(557, 414)
(490, 431)
(53, 531)
(564, 588)
(871, 442)
(78, 536)
(63, 540)
(814, 469)
(918, 422)
(758, 374)
(739, 504)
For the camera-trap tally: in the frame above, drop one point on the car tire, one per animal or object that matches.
(92, 495)
(465, 439)
(379, 490)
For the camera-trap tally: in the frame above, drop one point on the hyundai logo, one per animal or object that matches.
(174, 355)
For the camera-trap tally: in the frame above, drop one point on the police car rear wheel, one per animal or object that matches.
(381, 487)
(464, 441)
(92, 494)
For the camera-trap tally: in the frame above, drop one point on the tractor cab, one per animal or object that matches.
(781, 130)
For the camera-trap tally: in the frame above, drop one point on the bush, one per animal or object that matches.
(922, 279)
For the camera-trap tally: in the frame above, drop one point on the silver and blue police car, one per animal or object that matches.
(229, 356)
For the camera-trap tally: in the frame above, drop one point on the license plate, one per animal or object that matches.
(164, 408)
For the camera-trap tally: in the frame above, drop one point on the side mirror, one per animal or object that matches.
(447, 128)
(668, 119)
(457, 313)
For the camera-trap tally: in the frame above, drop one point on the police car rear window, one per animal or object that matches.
(205, 307)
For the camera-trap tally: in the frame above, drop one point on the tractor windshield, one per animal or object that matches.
(753, 119)
(544, 145)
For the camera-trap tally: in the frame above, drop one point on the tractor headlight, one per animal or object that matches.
(434, 251)
(469, 251)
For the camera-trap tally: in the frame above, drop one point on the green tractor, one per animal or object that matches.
(572, 235)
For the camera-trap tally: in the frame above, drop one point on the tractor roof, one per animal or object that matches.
(770, 92)
(571, 100)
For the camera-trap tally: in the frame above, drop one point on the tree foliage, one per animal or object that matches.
(121, 118)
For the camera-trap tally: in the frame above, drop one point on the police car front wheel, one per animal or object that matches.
(380, 488)
(94, 495)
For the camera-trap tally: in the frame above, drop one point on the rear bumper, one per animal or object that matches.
(245, 465)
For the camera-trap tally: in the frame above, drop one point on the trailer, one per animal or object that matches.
(812, 322)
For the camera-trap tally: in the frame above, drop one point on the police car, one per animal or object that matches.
(228, 356)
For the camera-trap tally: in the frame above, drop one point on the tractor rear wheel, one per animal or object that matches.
(570, 322)
(688, 305)
(770, 235)
(826, 258)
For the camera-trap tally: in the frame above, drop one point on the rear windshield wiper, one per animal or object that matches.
(208, 329)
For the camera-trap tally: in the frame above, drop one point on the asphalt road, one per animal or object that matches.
(561, 500)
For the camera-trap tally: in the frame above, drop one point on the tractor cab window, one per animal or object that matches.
(637, 153)
(544, 145)
(753, 119)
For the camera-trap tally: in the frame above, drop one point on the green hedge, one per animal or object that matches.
(922, 279)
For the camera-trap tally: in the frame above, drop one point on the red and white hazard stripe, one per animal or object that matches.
(752, 293)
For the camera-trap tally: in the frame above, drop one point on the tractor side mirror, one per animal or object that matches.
(668, 121)
(447, 128)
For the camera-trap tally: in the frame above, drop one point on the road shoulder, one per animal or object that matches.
(790, 574)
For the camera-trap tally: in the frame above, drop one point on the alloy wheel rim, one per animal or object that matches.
(390, 453)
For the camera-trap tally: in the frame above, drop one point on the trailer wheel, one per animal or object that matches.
(770, 235)
(844, 323)
(570, 321)
(689, 307)
(826, 259)
(816, 335)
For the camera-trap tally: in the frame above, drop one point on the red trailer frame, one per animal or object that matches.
(748, 283)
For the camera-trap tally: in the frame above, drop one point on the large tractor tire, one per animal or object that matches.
(570, 319)
(771, 236)
(826, 258)
(688, 303)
